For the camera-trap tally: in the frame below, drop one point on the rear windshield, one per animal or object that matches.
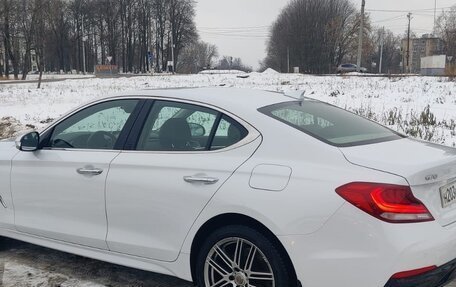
(330, 124)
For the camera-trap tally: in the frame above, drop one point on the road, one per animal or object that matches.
(52, 79)
(27, 265)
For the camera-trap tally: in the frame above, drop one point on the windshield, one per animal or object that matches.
(330, 124)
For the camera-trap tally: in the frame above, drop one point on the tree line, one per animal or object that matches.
(145, 35)
(446, 29)
(319, 35)
(65, 35)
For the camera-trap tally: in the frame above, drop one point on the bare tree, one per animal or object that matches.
(10, 35)
(183, 29)
(446, 29)
(41, 6)
(391, 50)
(314, 35)
(197, 57)
(369, 43)
(129, 31)
(231, 63)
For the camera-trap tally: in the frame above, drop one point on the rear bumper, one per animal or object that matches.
(361, 251)
(435, 278)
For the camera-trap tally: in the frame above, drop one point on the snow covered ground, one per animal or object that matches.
(418, 106)
(422, 107)
(25, 265)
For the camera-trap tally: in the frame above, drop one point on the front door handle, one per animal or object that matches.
(89, 171)
(201, 179)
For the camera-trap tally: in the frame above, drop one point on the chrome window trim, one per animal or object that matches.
(79, 149)
(252, 135)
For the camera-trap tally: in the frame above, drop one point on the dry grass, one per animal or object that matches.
(450, 71)
(9, 127)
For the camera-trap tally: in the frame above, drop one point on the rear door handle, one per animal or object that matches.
(201, 179)
(89, 171)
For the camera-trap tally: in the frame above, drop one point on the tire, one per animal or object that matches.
(4, 244)
(212, 264)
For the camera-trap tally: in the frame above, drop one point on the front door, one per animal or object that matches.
(59, 190)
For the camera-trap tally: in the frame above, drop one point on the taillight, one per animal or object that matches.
(413, 273)
(388, 202)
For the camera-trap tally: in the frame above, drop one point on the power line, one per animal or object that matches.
(390, 19)
(236, 32)
(421, 14)
(405, 11)
(236, 28)
(234, 35)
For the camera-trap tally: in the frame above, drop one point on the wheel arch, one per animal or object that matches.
(235, 219)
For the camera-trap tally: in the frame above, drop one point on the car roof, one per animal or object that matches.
(231, 99)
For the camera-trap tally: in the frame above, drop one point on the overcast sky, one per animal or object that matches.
(240, 27)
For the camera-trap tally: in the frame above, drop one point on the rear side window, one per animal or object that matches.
(330, 124)
(228, 133)
(174, 126)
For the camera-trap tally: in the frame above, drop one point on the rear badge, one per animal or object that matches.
(431, 177)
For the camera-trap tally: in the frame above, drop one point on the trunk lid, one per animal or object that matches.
(427, 167)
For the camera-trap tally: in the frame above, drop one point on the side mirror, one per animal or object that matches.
(28, 142)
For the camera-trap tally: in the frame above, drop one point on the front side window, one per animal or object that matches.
(329, 124)
(96, 127)
(173, 126)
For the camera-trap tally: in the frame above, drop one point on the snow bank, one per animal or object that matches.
(270, 71)
(10, 127)
(221, 72)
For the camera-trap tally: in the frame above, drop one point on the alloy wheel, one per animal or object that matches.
(236, 262)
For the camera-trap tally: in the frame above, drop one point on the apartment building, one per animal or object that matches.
(426, 46)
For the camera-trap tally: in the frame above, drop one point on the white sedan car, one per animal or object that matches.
(238, 188)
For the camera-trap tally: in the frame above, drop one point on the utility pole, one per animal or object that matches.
(435, 18)
(158, 62)
(172, 47)
(288, 59)
(84, 71)
(5, 64)
(409, 16)
(361, 32)
(382, 40)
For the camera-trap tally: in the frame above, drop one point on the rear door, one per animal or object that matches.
(179, 159)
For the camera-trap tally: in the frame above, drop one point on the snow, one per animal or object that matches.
(222, 72)
(9, 126)
(270, 71)
(398, 102)
(25, 265)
